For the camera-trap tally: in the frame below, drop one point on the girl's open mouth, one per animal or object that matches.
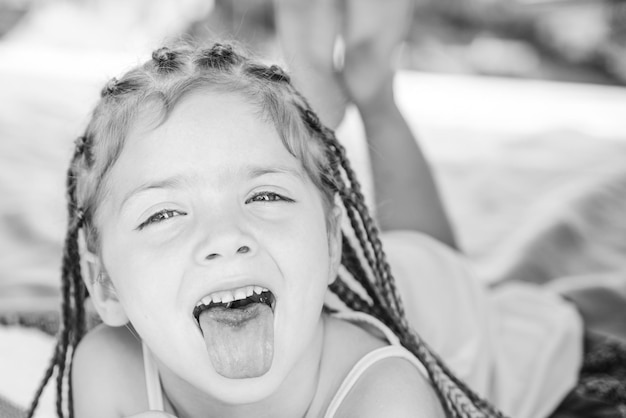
(235, 299)
(238, 330)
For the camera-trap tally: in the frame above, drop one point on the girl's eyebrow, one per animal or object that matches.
(258, 171)
(176, 181)
(168, 183)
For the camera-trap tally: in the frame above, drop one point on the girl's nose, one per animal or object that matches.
(244, 249)
(226, 237)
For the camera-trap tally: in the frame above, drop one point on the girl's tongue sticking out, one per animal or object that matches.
(239, 334)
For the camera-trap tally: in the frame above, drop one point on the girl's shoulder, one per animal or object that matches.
(390, 386)
(107, 374)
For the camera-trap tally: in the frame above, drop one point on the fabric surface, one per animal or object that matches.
(518, 345)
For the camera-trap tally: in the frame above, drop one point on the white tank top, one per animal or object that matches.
(394, 350)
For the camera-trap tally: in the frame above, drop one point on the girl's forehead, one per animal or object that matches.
(206, 132)
(198, 109)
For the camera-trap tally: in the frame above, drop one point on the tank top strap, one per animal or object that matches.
(390, 351)
(153, 381)
(394, 350)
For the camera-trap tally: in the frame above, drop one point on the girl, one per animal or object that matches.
(208, 199)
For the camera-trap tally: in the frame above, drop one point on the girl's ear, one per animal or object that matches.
(102, 292)
(334, 244)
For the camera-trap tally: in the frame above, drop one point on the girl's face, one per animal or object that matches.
(208, 207)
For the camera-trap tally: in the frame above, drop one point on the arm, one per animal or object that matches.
(307, 31)
(405, 190)
(406, 193)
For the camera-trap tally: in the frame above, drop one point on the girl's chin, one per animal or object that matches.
(243, 390)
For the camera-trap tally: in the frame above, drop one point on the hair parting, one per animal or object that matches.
(166, 78)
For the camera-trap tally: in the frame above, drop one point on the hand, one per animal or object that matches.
(372, 31)
(308, 30)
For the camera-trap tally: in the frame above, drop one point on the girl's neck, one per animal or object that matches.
(292, 399)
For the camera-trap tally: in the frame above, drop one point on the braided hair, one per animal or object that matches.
(164, 80)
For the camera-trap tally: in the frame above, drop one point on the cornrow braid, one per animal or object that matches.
(171, 73)
(115, 87)
(166, 60)
(110, 88)
(273, 73)
(217, 57)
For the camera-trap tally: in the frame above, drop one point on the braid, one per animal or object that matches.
(113, 88)
(345, 192)
(456, 397)
(70, 270)
(273, 73)
(356, 206)
(360, 220)
(72, 325)
(350, 298)
(44, 382)
(353, 264)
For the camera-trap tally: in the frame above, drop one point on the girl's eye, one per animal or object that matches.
(268, 197)
(160, 216)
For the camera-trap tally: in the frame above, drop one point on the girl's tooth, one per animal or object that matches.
(240, 293)
(249, 290)
(227, 297)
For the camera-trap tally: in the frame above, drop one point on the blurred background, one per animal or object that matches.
(519, 104)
